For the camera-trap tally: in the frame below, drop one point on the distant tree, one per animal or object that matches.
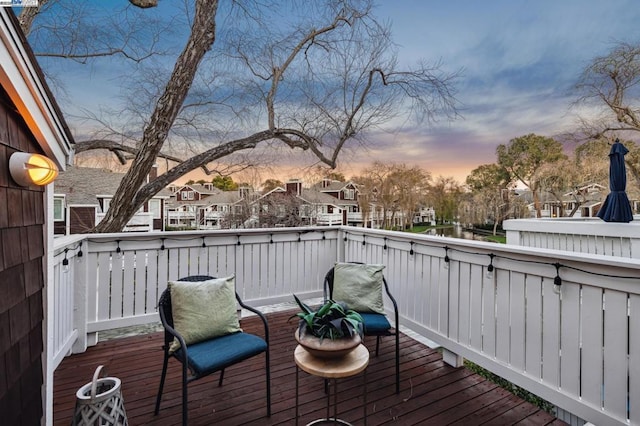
(445, 196)
(366, 197)
(490, 187)
(524, 157)
(376, 179)
(411, 185)
(224, 183)
(313, 76)
(611, 83)
(336, 176)
(280, 209)
(271, 184)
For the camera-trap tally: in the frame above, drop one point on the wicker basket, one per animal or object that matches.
(100, 403)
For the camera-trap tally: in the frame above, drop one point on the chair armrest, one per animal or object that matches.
(257, 312)
(393, 301)
(172, 331)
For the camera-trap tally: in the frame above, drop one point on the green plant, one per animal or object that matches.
(333, 320)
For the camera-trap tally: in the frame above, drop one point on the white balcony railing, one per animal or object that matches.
(564, 346)
(584, 235)
(142, 222)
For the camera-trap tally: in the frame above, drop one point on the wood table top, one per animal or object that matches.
(352, 363)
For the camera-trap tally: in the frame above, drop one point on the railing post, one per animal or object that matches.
(452, 358)
(80, 279)
(340, 246)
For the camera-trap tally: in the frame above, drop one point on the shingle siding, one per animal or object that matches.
(21, 280)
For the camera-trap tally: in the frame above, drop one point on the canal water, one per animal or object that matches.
(454, 232)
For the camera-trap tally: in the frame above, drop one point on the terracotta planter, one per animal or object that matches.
(327, 348)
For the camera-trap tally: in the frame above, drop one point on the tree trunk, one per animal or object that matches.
(123, 207)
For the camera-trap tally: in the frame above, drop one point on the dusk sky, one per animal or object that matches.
(519, 61)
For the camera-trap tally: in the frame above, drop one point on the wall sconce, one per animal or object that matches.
(32, 169)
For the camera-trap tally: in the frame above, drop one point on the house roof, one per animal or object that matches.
(224, 197)
(82, 185)
(200, 188)
(316, 197)
(335, 185)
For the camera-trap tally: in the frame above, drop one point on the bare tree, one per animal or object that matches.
(280, 209)
(313, 83)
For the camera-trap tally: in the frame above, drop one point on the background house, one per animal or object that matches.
(186, 202)
(31, 122)
(346, 194)
(82, 196)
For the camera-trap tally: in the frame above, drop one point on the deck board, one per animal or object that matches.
(431, 392)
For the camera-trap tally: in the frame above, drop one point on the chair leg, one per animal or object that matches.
(221, 377)
(268, 366)
(397, 361)
(162, 377)
(185, 398)
(377, 345)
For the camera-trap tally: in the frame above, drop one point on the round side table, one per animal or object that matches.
(351, 364)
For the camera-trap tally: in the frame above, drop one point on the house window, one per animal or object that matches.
(348, 194)
(106, 202)
(154, 208)
(190, 195)
(58, 209)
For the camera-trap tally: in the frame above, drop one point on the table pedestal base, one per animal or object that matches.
(352, 364)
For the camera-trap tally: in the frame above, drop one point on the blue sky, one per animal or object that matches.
(519, 58)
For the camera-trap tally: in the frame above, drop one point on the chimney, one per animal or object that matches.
(244, 192)
(153, 173)
(294, 186)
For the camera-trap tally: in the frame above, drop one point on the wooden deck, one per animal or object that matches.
(431, 392)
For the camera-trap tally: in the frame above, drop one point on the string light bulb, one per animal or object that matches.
(446, 257)
(557, 281)
(79, 254)
(118, 249)
(490, 266)
(65, 262)
(411, 251)
(384, 247)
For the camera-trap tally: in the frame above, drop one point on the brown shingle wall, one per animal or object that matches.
(21, 280)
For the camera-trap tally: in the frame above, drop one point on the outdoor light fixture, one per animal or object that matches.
(32, 169)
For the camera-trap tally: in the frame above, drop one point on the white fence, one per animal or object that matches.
(562, 345)
(586, 235)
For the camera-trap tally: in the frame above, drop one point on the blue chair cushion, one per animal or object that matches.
(220, 352)
(375, 323)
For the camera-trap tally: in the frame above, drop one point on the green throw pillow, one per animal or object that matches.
(359, 286)
(203, 310)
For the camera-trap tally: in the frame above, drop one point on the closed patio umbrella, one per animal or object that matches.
(616, 207)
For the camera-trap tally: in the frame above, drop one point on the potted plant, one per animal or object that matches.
(333, 330)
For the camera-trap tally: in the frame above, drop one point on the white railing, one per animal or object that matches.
(139, 222)
(61, 318)
(584, 235)
(329, 219)
(563, 346)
